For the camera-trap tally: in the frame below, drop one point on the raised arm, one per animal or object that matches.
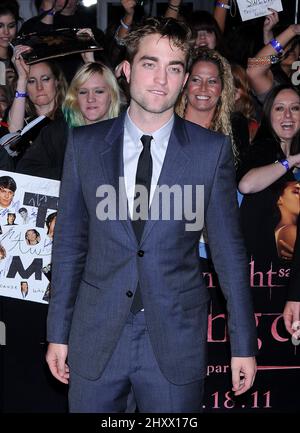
(17, 111)
(269, 23)
(257, 179)
(127, 20)
(49, 6)
(259, 67)
(220, 12)
(173, 9)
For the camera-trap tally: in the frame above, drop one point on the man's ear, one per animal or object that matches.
(127, 70)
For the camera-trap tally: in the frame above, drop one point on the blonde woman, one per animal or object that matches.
(92, 82)
(93, 96)
(208, 99)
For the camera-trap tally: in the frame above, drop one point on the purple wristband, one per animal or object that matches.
(222, 5)
(285, 164)
(277, 46)
(49, 12)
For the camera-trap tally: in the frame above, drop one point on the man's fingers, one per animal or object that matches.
(56, 359)
(245, 384)
(243, 374)
(61, 367)
(59, 375)
(235, 379)
(291, 314)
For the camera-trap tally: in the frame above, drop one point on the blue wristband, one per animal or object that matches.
(285, 164)
(222, 5)
(277, 46)
(20, 94)
(125, 26)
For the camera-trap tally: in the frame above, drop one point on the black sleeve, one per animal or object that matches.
(294, 282)
(240, 131)
(45, 157)
(34, 25)
(6, 161)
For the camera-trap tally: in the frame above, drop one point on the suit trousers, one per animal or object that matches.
(132, 371)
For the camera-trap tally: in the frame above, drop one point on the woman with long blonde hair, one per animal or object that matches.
(208, 98)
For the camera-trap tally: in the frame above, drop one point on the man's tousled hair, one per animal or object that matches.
(177, 31)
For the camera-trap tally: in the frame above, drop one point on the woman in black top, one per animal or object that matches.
(268, 174)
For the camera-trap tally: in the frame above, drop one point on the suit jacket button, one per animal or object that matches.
(129, 294)
(141, 253)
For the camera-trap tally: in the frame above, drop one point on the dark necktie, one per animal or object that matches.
(143, 177)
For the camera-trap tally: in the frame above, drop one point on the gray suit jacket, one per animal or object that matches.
(96, 265)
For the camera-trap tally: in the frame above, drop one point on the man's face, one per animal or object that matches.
(31, 236)
(156, 76)
(23, 214)
(6, 196)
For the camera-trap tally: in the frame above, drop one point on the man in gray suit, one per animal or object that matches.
(129, 304)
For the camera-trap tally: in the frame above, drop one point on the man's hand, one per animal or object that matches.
(291, 314)
(56, 358)
(243, 373)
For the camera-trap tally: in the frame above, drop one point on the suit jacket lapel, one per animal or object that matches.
(175, 162)
(111, 159)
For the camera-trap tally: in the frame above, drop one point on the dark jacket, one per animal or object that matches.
(45, 157)
(294, 283)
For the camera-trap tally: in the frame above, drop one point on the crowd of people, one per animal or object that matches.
(256, 105)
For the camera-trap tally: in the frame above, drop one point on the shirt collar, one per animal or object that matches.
(160, 136)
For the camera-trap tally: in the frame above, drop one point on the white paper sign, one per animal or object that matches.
(250, 9)
(28, 208)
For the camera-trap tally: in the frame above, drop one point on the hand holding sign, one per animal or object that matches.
(250, 9)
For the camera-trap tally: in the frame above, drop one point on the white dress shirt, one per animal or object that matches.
(132, 149)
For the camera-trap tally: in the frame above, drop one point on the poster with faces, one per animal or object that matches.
(28, 210)
(251, 9)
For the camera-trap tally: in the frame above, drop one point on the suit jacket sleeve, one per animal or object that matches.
(294, 283)
(69, 249)
(229, 255)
